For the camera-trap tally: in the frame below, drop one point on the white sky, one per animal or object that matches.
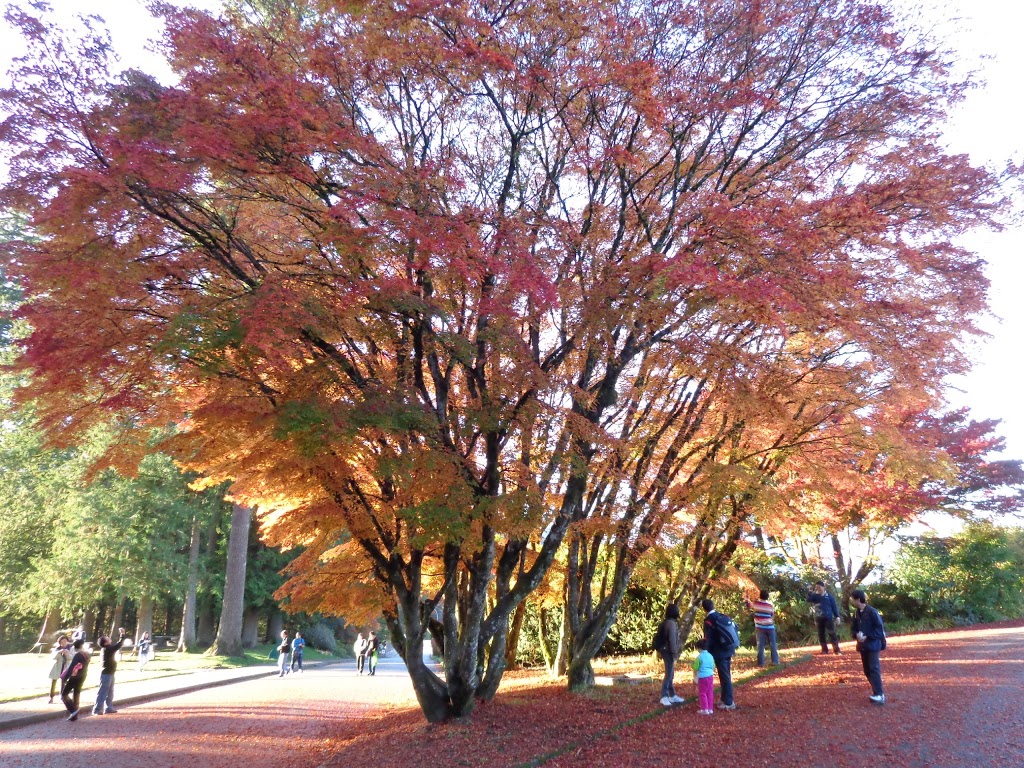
(987, 127)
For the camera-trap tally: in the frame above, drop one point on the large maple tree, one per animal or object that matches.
(435, 284)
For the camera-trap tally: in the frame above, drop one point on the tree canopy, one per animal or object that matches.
(438, 286)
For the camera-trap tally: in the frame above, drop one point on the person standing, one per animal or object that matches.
(359, 647)
(284, 652)
(297, 645)
(372, 648)
(826, 614)
(61, 657)
(145, 649)
(869, 633)
(105, 696)
(764, 626)
(74, 678)
(721, 651)
(666, 643)
(704, 678)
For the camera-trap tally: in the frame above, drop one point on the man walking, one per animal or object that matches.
(826, 612)
(105, 697)
(764, 626)
(372, 646)
(870, 635)
(720, 649)
(298, 646)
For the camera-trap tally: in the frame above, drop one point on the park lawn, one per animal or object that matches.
(25, 674)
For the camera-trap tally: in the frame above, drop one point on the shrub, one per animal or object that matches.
(321, 637)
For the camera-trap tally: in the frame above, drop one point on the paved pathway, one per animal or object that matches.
(259, 720)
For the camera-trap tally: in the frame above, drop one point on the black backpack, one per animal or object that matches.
(728, 635)
(660, 641)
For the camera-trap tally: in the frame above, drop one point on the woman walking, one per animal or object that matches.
(61, 657)
(145, 649)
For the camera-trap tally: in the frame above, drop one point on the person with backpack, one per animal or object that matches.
(372, 647)
(826, 613)
(869, 632)
(666, 643)
(722, 641)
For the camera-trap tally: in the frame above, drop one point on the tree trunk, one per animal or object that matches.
(588, 641)
(145, 622)
(101, 620)
(89, 622)
(118, 618)
(275, 623)
(512, 646)
(51, 623)
(547, 646)
(229, 633)
(564, 644)
(206, 626)
(250, 628)
(187, 639)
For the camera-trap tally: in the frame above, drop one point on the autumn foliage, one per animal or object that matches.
(440, 286)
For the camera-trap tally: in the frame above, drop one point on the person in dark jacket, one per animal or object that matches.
(826, 613)
(722, 655)
(105, 696)
(284, 654)
(372, 650)
(869, 632)
(668, 649)
(74, 679)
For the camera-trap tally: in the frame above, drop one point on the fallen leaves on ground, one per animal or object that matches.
(952, 700)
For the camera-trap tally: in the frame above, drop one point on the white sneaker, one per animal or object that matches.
(677, 700)
(879, 699)
(666, 701)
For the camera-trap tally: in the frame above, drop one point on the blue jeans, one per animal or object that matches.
(105, 695)
(872, 663)
(667, 689)
(766, 636)
(723, 663)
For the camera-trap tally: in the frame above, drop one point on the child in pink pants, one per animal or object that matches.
(704, 677)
